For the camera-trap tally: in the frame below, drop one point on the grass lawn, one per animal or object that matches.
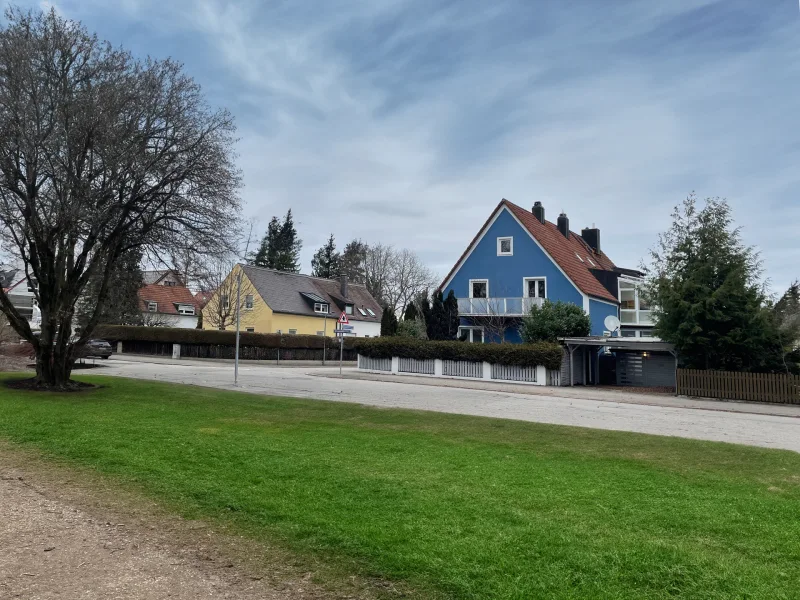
(447, 505)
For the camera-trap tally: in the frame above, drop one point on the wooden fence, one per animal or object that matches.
(750, 387)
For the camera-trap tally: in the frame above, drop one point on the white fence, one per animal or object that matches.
(462, 368)
(421, 367)
(514, 373)
(459, 369)
(374, 364)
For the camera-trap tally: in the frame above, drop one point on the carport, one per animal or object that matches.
(640, 361)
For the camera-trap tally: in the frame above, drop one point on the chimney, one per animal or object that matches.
(538, 211)
(563, 225)
(343, 289)
(591, 235)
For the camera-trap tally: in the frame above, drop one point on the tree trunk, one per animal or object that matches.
(53, 356)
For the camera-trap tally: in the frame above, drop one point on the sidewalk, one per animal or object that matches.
(582, 393)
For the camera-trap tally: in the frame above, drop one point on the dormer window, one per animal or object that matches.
(348, 309)
(505, 246)
(320, 307)
(152, 307)
(185, 309)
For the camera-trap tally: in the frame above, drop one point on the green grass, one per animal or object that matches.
(449, 506)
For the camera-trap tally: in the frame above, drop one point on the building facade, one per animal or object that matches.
(518, 259)
(290, 303)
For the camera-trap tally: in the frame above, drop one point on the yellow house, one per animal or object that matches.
(290, 303)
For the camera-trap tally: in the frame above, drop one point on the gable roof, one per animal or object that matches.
(288, 292)
(153, 277)
(167, 297)
(564, 252)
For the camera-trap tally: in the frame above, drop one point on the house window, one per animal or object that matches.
(169, 283)
(362, 311)
(221, 328)
(591, 262)
(320, 308)
(371, 312)
(578, 256)
(320, 333)
(250, 330)
(185, 309)
(474, 335)
(535, 287)
(225, 301)
(248, 302)
(293, 332)
(634, 309)
(152, 306)
(478, 288)
(348, 308)
(505, 246)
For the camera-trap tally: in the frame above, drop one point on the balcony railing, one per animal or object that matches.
(503, 307)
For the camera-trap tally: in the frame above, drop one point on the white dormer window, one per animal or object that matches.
(348, 309)
(505, 246)
(152, 307)
(319, 307)
(185, 309)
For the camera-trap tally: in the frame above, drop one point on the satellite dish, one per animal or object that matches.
(612, 323)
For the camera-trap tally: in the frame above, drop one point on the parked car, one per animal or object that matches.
(95, 348)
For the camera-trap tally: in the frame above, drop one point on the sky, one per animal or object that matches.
(406, 121)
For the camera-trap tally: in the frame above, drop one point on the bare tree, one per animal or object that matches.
(221, 309)
(378, 260)
(395, 277)
(150, 319)
(100, 153)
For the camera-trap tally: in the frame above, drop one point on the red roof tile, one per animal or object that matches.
(564, 251)
(167, 296)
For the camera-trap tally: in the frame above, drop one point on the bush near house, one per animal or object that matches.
(176, 335)
(523, 355)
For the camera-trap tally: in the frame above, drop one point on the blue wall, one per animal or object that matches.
(598, 311)
(505, 273)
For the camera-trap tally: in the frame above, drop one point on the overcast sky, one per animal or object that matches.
(406, 121)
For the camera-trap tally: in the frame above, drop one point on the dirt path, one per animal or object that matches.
(58, 539)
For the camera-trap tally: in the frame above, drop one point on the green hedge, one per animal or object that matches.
(523, 355)
(176, 335)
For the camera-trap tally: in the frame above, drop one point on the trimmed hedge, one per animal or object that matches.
(523, 355)
(176, 335)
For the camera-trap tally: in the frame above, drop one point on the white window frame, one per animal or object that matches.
(472, 328)
(249, 301)
(152, 306)
(637, 309)
(486, 281)
(509, 239)
(371, 312)
(186, 310)
(525, 281)
(225, 301)
(362, 311)
(293, 332)
(321, 333)
(322, 308)
(348, 309)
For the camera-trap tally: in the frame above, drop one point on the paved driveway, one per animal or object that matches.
(770, 431)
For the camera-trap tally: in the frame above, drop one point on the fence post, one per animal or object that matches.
(437, 367)
(487, 370)
(176, 351)
(119, 347)
(395, 365)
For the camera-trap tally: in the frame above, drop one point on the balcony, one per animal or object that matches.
(497, 307)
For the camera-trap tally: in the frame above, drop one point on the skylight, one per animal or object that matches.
(371, 314)
(362, 311)
(591, 262)
(578, 256)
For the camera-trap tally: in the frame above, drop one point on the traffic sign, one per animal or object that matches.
(343, 330)
(343, 319)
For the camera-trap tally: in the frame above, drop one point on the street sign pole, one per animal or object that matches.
(343, 326)
(238, 314)
(341, 352)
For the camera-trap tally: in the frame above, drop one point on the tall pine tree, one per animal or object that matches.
(326, 261)
(353, 259)
(280, 247)
(388, 322)
(452, 319)
(706, 296)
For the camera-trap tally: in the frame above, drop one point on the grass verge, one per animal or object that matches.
(445, 505)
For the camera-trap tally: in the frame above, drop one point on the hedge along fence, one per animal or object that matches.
(200, 343)
(545, 354)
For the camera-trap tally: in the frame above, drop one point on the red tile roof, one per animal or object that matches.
(167, 297)
(564, 251)
(202, 298)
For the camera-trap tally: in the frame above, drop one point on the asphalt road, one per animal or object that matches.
(769, 431)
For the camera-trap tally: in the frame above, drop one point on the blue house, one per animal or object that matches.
(519, 259)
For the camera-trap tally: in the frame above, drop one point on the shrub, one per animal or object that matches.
(411, 329)
(524, 355)
(176, 335)
(554, 320)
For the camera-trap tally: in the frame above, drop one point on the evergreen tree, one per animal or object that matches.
(451, 315)
(352, 261)
(280, 247)
(121, 304)
(411, 313)
(707, 300)
(425, 312)
(554, 320)
(437, 325)
(388, 322)
(326, 261)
